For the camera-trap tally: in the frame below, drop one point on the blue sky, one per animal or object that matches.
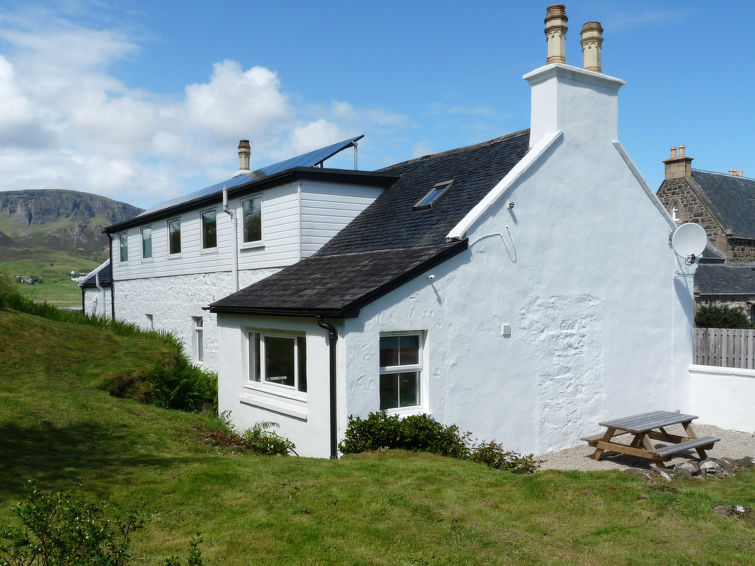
(144, 101)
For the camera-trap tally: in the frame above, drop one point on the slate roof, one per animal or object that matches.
(389, 243)
(725, 279)
(106, 277)
(335, 285)
(729, 198)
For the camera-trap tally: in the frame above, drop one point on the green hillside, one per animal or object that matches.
(59, 428)
(71, 222)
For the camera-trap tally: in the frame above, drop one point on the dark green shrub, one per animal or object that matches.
(181, 385)
(493, 454)
(421, 433)
(714, 316)
(60, 529)
(414, 432)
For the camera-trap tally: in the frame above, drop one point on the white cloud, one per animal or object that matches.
(236, 101)
(66, 121)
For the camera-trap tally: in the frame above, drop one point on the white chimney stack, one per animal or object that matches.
(592, 41)
(555, 33)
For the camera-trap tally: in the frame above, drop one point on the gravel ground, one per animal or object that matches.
(733, 444)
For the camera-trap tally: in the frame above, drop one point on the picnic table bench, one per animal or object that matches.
(645, 428)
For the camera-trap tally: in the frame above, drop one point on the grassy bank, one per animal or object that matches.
(58, 427)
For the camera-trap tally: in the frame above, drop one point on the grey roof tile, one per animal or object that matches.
(725, 279)
(730, 199)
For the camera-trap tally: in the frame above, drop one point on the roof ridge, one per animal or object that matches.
(724, 174)
(456, 150)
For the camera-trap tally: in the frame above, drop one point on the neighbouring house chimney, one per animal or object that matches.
(678, 166)
(555, 32)
(592, 40)
(245, 154)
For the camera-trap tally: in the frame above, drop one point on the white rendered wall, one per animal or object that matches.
(724, 397)
(173, 301)
(582, 271)
(97, 301)
(306, 424)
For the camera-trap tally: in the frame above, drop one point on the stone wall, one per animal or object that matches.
(691, 209)
(741, 251)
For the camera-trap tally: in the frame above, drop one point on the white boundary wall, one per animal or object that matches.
(724, 397)
(97, 301)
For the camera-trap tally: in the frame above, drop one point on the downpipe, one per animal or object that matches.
(332, 339)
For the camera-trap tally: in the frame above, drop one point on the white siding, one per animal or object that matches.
(328, 208)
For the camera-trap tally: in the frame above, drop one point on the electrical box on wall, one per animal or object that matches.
(505, 329)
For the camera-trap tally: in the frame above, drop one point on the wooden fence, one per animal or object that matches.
(725, 347)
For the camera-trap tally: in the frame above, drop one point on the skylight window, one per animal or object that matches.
(431, 197)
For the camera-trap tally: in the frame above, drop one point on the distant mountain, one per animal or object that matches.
(58, 220)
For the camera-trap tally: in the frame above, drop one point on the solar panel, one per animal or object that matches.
(309, 159)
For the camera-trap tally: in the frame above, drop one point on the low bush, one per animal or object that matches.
(419, 433)
(59, 528)
(260, 439)
(714, 316)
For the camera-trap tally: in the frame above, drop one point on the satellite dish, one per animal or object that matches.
(688, 241)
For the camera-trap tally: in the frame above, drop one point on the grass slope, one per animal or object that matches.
(59, 428)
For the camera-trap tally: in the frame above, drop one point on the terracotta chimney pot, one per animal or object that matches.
(555, 33)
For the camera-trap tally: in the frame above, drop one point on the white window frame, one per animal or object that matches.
(197, 338)
(419, 368)
(675, 212)
(147, 257)
(251, 243)
(180, 243)
(122, 238)
(207, 249)
(255, 357)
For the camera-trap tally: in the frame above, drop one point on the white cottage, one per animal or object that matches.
(171, 261)
(523, 288)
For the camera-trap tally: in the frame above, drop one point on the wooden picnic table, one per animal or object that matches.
(645, 428)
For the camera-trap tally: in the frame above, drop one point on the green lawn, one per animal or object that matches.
(60, 429)
(54, 269)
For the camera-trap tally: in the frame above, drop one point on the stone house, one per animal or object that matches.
(723, 204)
(485, 286)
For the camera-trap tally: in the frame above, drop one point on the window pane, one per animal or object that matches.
(408, 350)
(279, 360)
(146, 242)
(408, 387)
(252, 220)
(388, 391)
(301, 343)
(124, 247)
(209, 230)
(388, 351)
(254, 356)
(174, 227)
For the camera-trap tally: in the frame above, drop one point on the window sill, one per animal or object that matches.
(174, 256)
(210, 250)
(402, 412)
(282, 402)
(252, 245)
